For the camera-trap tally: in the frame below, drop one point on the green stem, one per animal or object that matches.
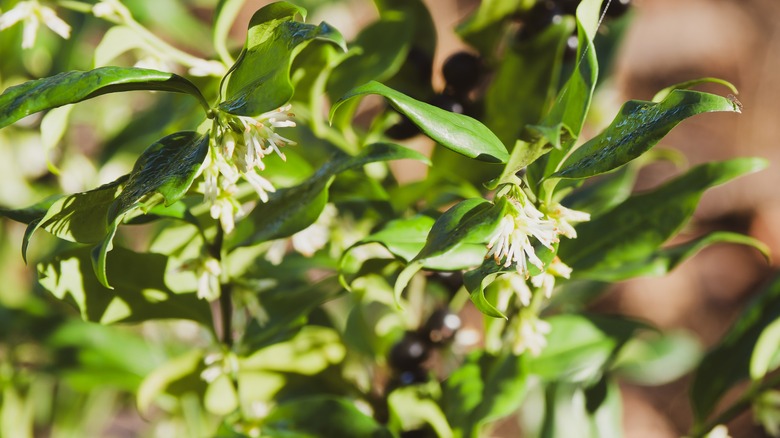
(742, 405)
(226, 289)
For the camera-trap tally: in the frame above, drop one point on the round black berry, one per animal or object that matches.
(618, 7)
(543, 14)
(419, 433)
(422, 63)
(410, 352)
(462, 72)
(442, 326)
(402, 130)
(568, 7)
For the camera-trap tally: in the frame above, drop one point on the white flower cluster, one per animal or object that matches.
(240, 145)
(32, 14)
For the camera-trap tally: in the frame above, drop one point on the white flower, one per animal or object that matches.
(529, 334)
(32, 14)
(240, 144)
(314, 237)
(218, 364)
(511, 241)
(719, 431)
(208, 271)
(207, 68)
(546, 280)
(563, 216)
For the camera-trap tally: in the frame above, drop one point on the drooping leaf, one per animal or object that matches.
(580, 347)
(321, 415)
(664, 260)
(636, 129)
(635, 229)
(661, 95)
(485, 388)
(457, 132)
(292, 209)
(139, 292)
(259, 81)
(75, 86)
(734, 353)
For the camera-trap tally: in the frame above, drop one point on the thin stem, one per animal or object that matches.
(225, 290)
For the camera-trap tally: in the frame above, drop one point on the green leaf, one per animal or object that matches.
(766, 357)
(410, 408)
(485, 388)
(661, 95)
(167, 167)
(139, 294)
(309, 352)
(729, 362)
(259, 81)
(320, 416)
(636, 129)
(32, 213)
(525, 82)
(638, 226)
(75, 86)
(603, 194)
(457, 132)
(658, 358)
(571, 410)
(292, 209)
(183, 370)
(664, 260)
(580, 347)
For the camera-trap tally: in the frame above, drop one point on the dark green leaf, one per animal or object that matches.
(485, 388)
(260, 79)
(603, 194)
(635, 229)
(139, 294)
(457, 132)
(75, 86)
(31, 213)
(636, 129)
(580, 347)
(663, 261)
(293, 209)
(729, 361)
(321, 416)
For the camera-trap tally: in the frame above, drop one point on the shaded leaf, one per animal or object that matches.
(259, 81)
(321, 416)
(732, 356)
(457, 132)
(635, 229)
(75, 86)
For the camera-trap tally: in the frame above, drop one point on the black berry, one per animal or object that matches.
(442, 326)
(568, 7)
(422, 63)
(462, 72)
(403, 129)
(410, 352)
(543, 14)
(448, 103)
(618, 7)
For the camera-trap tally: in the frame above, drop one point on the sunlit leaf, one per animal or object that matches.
(259, 81)
(75, 86)
(457, 132)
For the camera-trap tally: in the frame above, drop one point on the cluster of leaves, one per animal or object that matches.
(317, 345)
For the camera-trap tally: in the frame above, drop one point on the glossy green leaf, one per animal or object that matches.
(636, 129)
(635, 229)
(75, 86)
(457, 132)
(664, 260)
(661, 95)
(735, 352)
(658, 358)
(167, 167)
(259, 81)
(580, 347)
(485, 388)
(139, 294)
(292, 209)
(321, 416)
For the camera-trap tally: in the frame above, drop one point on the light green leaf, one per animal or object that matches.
(661, 95)
(119, 40)
(637, 227)
(457, 132)
(410, 408)
(139, 292)
(75, 86)
(579, 347)
(729, 362)
(658, 358)
(636, 129)
(765, 356)
(225, 16)
(185, 368)
(53, 127)
(309, 352)
(259, 81)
